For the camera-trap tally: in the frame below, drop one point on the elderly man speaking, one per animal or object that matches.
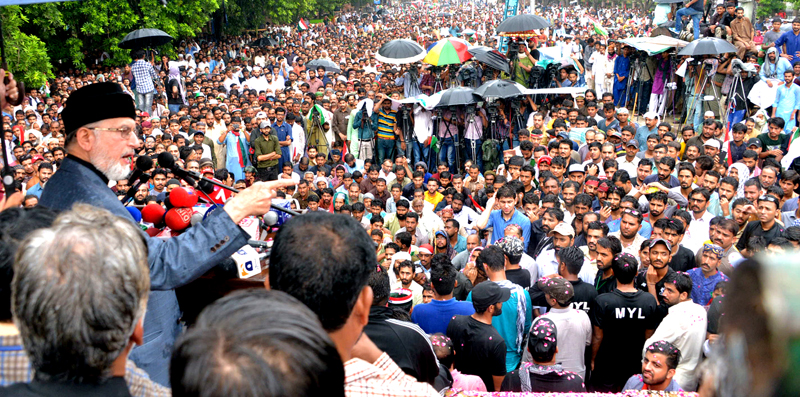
(100, 142)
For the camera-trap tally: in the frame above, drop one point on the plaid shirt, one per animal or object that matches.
(381, 379)
(15, 367)
(143, 75)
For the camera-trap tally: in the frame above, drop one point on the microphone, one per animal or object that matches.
(139, 176)
(178, 219)
(206, 185)
(166, 160)
(182, 198)
(153, 213)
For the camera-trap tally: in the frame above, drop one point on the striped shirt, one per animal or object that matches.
(386, 123)
(383, 378)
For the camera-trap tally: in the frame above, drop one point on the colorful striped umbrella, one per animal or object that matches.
(447, 52)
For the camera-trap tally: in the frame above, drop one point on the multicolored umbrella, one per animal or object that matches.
(447, 51)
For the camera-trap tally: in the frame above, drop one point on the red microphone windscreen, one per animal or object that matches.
(183, 197)
(153, 213)
(178, 218)
(152, 232)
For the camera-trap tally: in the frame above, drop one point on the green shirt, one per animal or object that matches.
(266, 145)
(520, 75)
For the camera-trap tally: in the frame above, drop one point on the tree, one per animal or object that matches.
(245, 15)
(77, 33)
(27, 55)
(769, 8)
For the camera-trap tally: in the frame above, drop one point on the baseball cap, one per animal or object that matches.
(426, 249)
(264, 124)
(261, 115)
(576, 168)
(199, 132)
(613, 132)
(564, 229)
(511, 246)
(633, 142)
(712, 142)
(547, 159)
(754, 141)
(488, 293)
(557, 287)
(662, 241)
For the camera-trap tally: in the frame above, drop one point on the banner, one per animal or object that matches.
(510, 11)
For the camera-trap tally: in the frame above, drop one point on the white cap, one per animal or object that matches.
(564, 229)
(713, 143)
(261, 115)
(576, 168)
(709, 113)
(651, 115)
(623, 110)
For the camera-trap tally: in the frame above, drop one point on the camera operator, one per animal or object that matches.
(702, 79)
(521, 62)
(410, 81)
(743, 77)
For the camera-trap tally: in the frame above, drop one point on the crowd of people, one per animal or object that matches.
(552, 243)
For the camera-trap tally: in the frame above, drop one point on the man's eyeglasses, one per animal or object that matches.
(124, 132)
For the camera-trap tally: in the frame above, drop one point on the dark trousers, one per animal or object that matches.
(268, 173)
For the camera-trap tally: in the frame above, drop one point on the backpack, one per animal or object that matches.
(491, 154)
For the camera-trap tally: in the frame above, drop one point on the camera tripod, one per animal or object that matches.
(316, 133)
(469, 121)
(699, 89)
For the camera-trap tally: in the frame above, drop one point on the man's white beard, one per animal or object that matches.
(112, 169)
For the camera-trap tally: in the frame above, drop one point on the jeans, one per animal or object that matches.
(144, 101)
(174, 109)
(419, 152)
(385, 149)
(468, 152)
(695, 20)
(447, 154)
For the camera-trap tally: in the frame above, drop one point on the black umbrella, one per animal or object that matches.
(491, 57)
(400, 51)
(445, 14)
(499, 89)
(457, 96)
(329, 66)
(522, 23)
(382, 11)
(145, 38)
(264, 42)
(707, 46)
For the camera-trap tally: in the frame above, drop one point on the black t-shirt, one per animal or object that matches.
(754, 229)
(683, 260)
(521, 277)
(603, 286)
(641, 283)
(173, 99)
(624, 318)
(585, 294)
(714, 315)
(549, 382)
(480, 350)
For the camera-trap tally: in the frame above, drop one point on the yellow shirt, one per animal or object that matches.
(433, 198)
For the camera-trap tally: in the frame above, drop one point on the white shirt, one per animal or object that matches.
(529, 264)
(546, 263)
(633, 248)
(466, 217)
(685, 327)
(697, 232)
(574, 334)
(629, 166)
(589, 270)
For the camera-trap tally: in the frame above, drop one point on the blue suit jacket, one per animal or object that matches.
(173, 262)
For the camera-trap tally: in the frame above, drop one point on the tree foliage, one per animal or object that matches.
(245, 15)
(77, 33)
(769, 8)
(27, 55)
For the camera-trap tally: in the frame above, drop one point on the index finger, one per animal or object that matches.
(277, 183)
